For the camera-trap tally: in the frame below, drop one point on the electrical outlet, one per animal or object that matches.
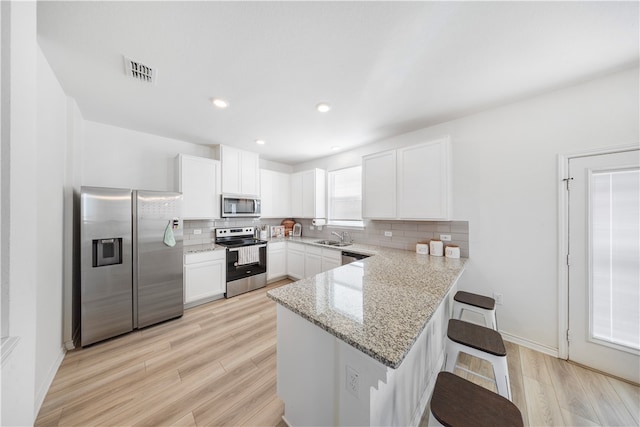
(445, 237)
(197, 231)
(353, 381)
(388, 234)
(498, 298)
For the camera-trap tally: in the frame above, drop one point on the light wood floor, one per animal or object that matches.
(217, 366)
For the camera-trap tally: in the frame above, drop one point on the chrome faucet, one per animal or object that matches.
(342, 236)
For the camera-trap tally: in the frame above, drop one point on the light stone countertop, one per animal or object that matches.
(193, 249)
(379, 305)
(355, 247)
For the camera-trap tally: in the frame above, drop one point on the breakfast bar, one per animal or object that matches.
(361, 344)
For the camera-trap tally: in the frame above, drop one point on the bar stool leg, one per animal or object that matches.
(499, 364)
(489, 316)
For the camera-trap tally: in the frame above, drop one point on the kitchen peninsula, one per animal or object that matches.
(361, 344)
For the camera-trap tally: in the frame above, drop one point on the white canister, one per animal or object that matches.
(436, 248)
(452, 251)
(422, 248)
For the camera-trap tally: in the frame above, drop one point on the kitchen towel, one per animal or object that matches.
(248, 255)
(169, 238)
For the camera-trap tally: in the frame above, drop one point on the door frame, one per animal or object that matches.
(563, 237)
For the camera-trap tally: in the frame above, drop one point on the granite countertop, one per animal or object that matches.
(379, 305)
(355, 247)
(205, 247)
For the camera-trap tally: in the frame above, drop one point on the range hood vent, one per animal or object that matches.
(140, 71)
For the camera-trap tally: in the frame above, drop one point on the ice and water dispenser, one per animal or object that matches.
(107, 251)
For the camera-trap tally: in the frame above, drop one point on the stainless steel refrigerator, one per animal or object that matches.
(131, 260)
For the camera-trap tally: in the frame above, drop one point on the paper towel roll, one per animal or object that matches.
(318, 222)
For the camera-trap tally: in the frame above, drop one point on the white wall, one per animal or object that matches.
(505, 184)
(19, 220)
(50, 164)
(72, 182)
(124, 158)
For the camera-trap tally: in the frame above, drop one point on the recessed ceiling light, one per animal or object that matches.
(220, 103)
(260, 142)
(323, 107)
(336, 148)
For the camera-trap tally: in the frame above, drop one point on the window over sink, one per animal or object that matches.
(345, 197)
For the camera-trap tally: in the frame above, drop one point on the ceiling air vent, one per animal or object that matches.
(140, 71)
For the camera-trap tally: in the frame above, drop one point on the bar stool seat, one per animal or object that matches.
(481, 342)
(457, 402)
(480, 304)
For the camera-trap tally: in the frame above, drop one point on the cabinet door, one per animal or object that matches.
(320, 193)
(276, 264)
(295, 264)
(296, 195)
(424, 181)
(198, 180)
(249, 173)
(282, 195)
(230, 158)
(267, 195)
(204, 280)
(275, 190)
(312, 265)
(308, 194)
(331, 259)
(330, 264)
(379, 185)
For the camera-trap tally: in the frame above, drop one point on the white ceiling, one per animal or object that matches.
(385, 67)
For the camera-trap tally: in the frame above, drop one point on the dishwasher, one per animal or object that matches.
(349, 257)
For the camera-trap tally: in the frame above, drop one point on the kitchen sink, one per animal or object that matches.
(332, 243)
(327, 242)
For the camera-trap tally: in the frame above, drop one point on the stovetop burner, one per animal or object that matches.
(237, 237)
(236, 243)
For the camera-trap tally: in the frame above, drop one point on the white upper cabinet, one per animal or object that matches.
(240, 171)
(424, 181)
(379, 185)
(308, 194)
(275, 194)
(408, 183)
(199, 183)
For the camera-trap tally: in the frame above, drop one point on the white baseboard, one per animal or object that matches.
(530, 344)
(44, 387)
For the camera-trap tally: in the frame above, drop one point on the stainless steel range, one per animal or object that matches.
(246, 259)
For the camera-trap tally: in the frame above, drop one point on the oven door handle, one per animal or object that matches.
(237, 249)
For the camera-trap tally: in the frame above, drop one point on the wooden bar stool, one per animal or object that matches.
(456, 402)
(480, 304)
(481, 342)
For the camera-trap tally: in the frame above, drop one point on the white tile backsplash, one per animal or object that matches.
(405, 233)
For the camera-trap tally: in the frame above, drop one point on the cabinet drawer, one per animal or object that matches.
(204, 256)
(314, 250)
(333, 254)
(275, 246)
(295, 246)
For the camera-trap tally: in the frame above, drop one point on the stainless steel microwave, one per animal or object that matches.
(240, 206)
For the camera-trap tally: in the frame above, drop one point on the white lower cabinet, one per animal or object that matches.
(308, 260)
(276, 260)
(295, 260)
(204, 277)
(312, 261)
(331, 258)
